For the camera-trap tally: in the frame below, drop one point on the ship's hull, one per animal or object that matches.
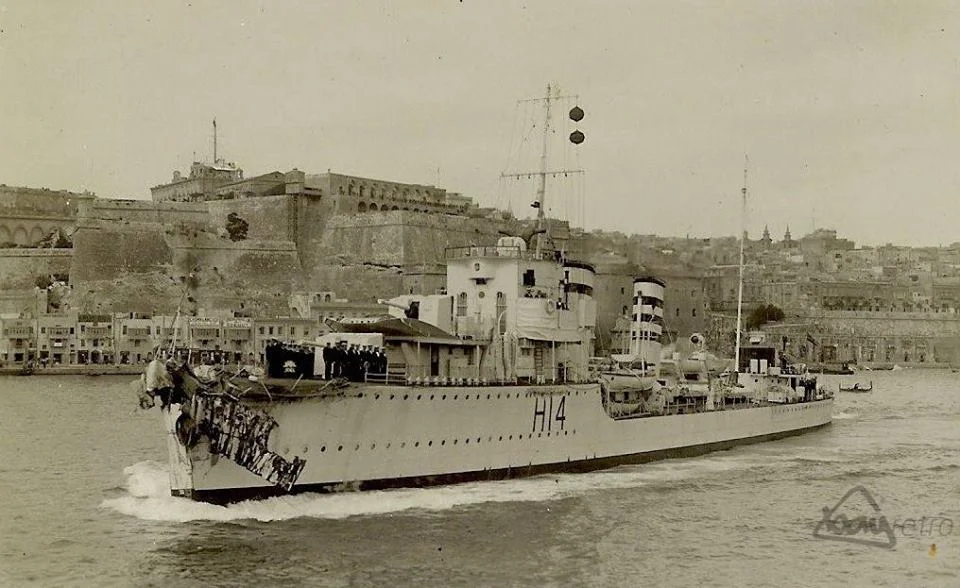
(375, 437)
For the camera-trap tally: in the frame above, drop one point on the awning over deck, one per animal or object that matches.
(403, 329)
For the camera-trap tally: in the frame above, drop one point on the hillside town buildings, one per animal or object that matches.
(268, 251)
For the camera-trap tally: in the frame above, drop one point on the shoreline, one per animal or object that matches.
(76, 370)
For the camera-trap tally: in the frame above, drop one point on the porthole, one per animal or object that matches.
(360, 395)
(454, 441)
(402, 445)
(467, 441)
(444, 397)
(455, 396)
(501, 437)
(444, 442)
(340, 448)
(478, 439)
(391, 397)
(429, 443)
(488, 397)
(418, 396)
(417, 444)
(405, 396)
(376, 397)
(510, 438)
(357, 448)
(431, 397)
(322, 449)
(373, 446)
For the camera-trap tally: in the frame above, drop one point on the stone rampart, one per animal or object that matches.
(20, 268)
(109, 249)
(267, 217)
(886, 324)
(144, 211)
(402, 238)
(41, 202)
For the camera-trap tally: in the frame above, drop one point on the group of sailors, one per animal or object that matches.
(352, 361)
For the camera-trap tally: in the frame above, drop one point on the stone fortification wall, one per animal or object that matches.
(116, 237)
(267, 217)
(144, 211)
(106, 250)
(22, 301)
(20, 268)
(359, 282)
(246, 276)
(133, 256)
(887, 324)
(41, 202)
(401, 238)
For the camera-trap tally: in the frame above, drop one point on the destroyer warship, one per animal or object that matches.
(488, 381)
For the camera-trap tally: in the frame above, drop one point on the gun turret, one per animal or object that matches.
(411, 310)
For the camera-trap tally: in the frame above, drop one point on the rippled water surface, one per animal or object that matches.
(84, 501)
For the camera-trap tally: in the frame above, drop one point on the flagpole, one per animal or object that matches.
(743, 234)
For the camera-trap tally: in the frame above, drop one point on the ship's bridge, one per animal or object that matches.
(501, 251)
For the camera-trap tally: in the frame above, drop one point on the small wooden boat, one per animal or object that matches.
(857, 387)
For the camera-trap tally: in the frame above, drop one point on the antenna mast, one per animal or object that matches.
(542, 189)
(743, 237)
(540, 203)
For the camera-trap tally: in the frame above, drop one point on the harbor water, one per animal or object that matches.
(84, 502)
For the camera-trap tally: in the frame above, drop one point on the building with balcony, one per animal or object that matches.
(18, 343)
(96, 344)
(57, 343)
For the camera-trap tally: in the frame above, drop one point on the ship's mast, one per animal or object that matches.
(743, 237)
(541, 203)
(214, 141)
(542, 189)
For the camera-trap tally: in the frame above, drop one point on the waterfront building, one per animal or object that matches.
(18, 342)
(135, 338)
(56, 341)
(96, 344)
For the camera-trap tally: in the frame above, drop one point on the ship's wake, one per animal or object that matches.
(147, 494)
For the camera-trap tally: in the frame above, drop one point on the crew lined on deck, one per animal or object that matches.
(353, 362)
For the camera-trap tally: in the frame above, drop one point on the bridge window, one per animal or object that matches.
(462, 304)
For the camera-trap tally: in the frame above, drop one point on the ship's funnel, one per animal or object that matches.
(647, 327)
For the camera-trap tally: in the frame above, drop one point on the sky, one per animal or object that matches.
(848, 110)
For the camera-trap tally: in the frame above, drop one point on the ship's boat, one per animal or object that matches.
(857, 387)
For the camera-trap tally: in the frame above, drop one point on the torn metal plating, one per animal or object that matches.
(242, 434)
(236, 431)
